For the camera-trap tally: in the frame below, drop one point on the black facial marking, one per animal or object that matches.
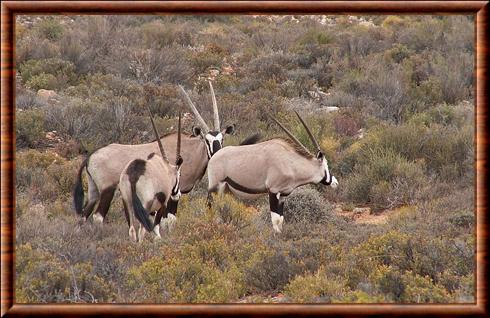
(150, 156)
(135, 169)
(216, 146)
(241, 188)
(325, 181)
(213, 133)
(175, 189)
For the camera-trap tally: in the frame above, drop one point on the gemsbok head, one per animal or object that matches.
(276, 166)
(151, 184)
(212, 137)
(104, 166)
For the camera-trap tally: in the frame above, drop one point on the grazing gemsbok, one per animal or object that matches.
(105, 165)
(276, 166)
(151, 185)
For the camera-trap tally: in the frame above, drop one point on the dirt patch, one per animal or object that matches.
(364, 215)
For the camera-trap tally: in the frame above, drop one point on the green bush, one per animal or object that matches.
(314, 288)
(306, 205)
(29, 127)
(52, 73)
(44, 278)
(42, 81)
(385, 180)
(50, 28)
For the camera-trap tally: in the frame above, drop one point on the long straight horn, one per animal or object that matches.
(164, 156)
(215, 108)
(289, 134)
(178, 158)
(309, 132)
(194, 109)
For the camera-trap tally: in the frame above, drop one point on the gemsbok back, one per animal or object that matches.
(151, 185)
(276, 166)
(105, 165)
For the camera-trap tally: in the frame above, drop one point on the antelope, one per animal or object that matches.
(105, 165)
(151, 185)
(276, 166)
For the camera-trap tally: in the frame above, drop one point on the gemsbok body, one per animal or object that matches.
(151, 185)
(105, 165)
(276, 166)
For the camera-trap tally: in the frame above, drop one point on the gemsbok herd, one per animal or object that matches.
(151, 185)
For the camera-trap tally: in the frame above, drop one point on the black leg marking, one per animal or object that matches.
(126, 213)
(162, 213)
(276, 205)
(280, 208)
(172, 207)
(105, 201)
(88, 209)
(273, 202)
(209, 200)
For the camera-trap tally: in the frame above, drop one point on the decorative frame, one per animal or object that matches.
(480, 9)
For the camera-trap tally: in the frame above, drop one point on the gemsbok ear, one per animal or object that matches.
(229, 130)
(196, 131)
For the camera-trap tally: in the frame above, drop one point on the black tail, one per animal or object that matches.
(250, 140)
(78, 196)
(140, 212)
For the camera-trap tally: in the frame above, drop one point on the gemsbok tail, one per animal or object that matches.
(78, 195)
(139, 211)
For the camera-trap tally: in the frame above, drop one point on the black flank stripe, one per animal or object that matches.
(241, 188)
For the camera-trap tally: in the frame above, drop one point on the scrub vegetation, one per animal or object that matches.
(400, 142)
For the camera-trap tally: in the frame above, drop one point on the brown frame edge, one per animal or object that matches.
(10, 8)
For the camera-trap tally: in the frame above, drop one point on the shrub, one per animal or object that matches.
(49, 28)
(306, 205)
(385, 180)
(183, 280)
(42, 81)
(270, 273)
(52, 73)
(44, 278)
(29, 127)
(232, 212)
(315, 288)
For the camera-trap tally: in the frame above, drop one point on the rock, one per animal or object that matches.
(329, 109)
(46, 94)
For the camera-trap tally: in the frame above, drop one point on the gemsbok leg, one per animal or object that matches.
(93, 197)
(106, 197)
(276, 203)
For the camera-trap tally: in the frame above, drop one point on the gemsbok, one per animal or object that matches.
(105, 165)
(151, 185)
(276, 166)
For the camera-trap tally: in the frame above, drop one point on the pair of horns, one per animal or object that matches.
(196, 113)
(178, 158)
(312, 138)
